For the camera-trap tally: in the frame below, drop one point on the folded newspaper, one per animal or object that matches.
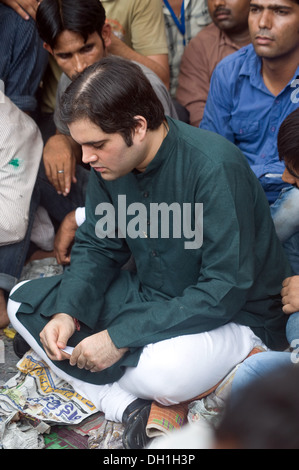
(39, 395)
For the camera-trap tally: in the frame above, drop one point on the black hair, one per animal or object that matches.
(111, 93)
(264, 414)
(79, 16)
(288, 140)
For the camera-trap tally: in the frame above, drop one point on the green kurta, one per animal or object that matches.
(235, 275)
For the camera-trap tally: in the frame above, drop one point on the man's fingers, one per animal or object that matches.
(284, 299)
(288, 309)
(51, 349)
(23, 8)
(286, 281)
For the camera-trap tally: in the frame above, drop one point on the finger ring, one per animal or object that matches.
(60, 171)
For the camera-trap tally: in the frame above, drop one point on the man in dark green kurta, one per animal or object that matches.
(201, 277)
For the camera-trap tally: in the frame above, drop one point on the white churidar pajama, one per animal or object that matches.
(169, 372)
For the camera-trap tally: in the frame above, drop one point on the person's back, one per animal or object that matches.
(264, 414)
(22, 60)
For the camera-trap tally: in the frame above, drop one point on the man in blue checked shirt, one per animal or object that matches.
(251, 93)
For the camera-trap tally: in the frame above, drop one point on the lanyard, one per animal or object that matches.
(180, 24)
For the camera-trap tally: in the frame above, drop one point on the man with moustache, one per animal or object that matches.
(226, 34)
(76, 34)
(252, 91)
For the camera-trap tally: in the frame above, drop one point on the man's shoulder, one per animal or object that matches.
(205, 39)
(8, 14)
(63, 83)
(11, 21)
(208, 32)
(213, 147)
(235, 63)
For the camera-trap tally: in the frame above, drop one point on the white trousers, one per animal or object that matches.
(169, 372)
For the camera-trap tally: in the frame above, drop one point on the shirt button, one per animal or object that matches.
(154, 253)
(146, 194)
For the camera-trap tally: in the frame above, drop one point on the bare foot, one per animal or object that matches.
(4, 320)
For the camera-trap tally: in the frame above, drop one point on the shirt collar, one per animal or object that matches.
(252, 66)
(225, 40)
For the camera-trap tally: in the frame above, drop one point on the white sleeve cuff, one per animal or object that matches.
(80, 215)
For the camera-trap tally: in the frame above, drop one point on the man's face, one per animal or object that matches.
(229, 14)
(274, 28)
(291, 176)
(108, 154)
(73, 55)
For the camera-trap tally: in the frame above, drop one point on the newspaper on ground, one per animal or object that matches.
(38, 398)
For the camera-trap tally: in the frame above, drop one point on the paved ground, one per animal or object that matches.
(8, 359)
(40, 264)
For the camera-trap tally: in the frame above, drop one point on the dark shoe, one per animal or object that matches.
(20, 346)
(135, 419)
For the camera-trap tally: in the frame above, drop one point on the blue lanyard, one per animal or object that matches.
(180, 24)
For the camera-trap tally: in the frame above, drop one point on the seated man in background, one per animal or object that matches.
(251, 93)
(208, 270)
(228, 33)
(77, 36)
(138, 34)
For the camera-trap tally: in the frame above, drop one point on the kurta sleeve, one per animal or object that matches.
(95, 263)
(227, 272)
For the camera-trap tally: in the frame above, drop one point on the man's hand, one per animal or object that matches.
(64, 238)
(23, 7)
(290, 295)
(56, 334)
(60, 157)
(96, 353)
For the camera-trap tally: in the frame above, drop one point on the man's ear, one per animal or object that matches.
(106, 34)
(140, 127)
(48, 48)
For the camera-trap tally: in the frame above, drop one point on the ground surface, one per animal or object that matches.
(8, 359)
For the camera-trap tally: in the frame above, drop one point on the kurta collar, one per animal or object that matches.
(162, 155)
